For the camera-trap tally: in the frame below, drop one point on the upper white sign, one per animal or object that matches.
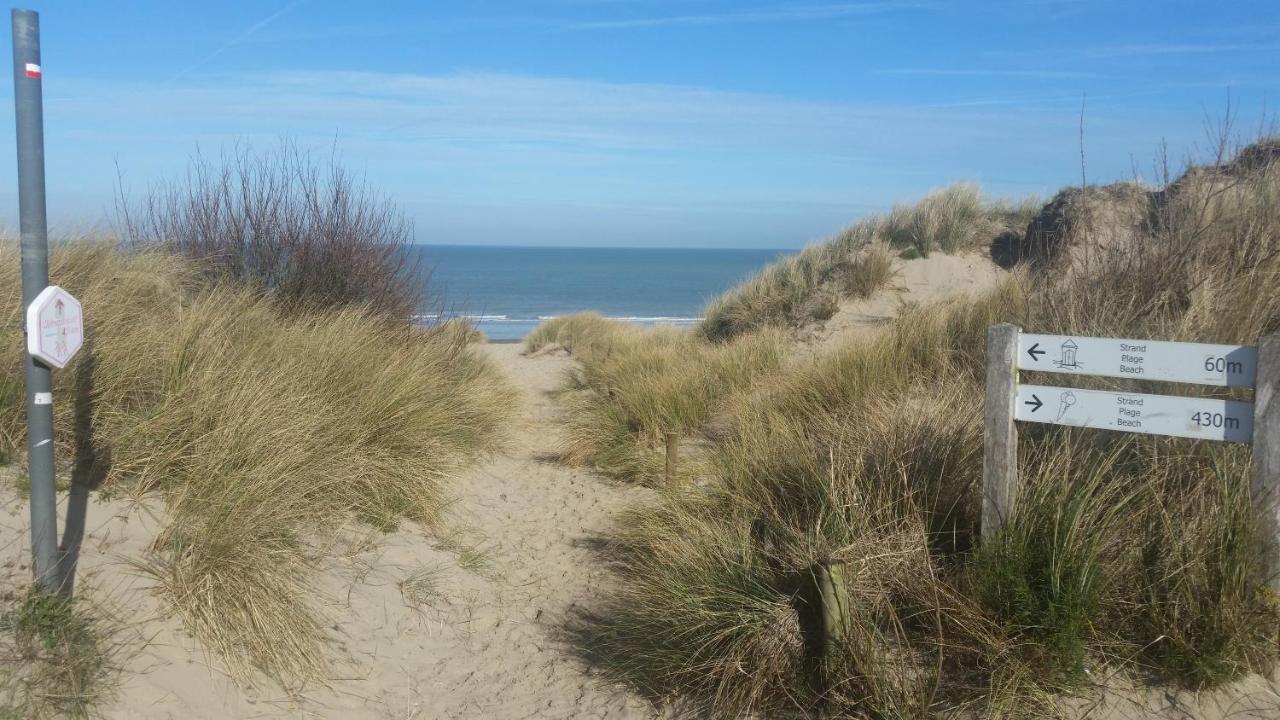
(1199, 363)
(55, 327)
(1200, 418)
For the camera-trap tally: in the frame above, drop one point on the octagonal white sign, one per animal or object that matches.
(55, 327)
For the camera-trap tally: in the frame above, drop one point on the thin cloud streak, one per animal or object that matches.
(975, 72)
(778, 14)
(540, 147)
(1150, 49)
(238, 39)
(500, 126)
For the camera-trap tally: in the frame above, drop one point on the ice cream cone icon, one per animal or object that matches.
(1066, 400)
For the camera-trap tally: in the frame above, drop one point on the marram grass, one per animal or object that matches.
(261, 432)
(806, 287)
(1127, 555)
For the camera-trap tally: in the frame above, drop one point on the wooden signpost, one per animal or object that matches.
(1256, 423)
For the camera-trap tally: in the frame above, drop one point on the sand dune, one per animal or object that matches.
(482, 638)
(922, 280)
(481, 633)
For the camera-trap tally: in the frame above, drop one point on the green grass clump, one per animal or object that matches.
(580, 333)
(261, 431)
(1043, 578)
(1125, 553)
(422, 586)
(872, 271)
(58, 657)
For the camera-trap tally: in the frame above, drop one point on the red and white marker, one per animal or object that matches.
(33, 71)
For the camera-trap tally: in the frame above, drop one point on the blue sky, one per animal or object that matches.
(701, 123)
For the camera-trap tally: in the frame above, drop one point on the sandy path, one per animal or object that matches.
(533, 520)
(483, 637)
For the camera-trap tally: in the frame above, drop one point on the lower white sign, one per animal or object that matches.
(1199, 418)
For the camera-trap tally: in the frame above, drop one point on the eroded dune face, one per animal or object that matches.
(1078, 224)
(1082, 226)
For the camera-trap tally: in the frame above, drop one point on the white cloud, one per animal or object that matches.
(513, 146)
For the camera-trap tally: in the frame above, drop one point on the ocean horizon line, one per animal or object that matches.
(487, 318)
(642, 248)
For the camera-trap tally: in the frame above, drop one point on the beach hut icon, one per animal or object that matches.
(1068, 359)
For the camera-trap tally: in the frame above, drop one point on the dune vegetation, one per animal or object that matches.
(250, 365)
(1127, 556)
(58, 657)
(857, 261)
(262, 428)
(635, 387)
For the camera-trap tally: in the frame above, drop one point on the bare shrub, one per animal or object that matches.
(307, 230)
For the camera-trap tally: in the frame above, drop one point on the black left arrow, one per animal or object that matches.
(1035, 352)
(1035, 401)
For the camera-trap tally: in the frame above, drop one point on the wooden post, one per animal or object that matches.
(673, 445)
(1265, 486)
(1000, 436)
(833, 594)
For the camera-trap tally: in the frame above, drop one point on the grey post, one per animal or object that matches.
(1000, 436)
(29, 110)
(1265, 487)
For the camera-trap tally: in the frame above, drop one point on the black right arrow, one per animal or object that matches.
(1035, 353)
(1034, 405)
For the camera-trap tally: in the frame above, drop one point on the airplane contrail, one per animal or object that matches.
(245, 35)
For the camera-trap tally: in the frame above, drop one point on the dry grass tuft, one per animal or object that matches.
(635, 386)
(422, 586)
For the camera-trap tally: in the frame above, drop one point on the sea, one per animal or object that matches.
(507, 291)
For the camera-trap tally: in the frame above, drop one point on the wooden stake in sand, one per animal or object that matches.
(673, 447)
(834, 596)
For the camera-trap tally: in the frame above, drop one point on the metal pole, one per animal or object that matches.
(28, 106)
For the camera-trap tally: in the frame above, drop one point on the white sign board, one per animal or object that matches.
(55, 327)
(1200, 418)
(1199, 363)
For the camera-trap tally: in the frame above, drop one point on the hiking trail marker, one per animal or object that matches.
(1256, 423)
(55, 327)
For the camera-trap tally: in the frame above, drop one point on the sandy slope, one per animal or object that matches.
(923, 281)
(485, 642)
